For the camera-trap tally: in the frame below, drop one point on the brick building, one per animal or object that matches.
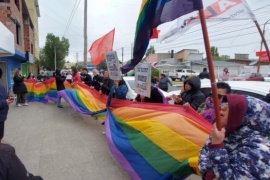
(14, 15)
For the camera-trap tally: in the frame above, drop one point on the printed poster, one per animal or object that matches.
(113, 66)
(143, 79)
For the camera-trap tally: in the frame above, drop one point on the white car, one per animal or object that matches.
(257, 89)
(267, 77)
(131, 95)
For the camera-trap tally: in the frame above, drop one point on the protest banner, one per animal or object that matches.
(143, 79)
(113, 65)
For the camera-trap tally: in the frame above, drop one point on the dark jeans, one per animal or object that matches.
(20, 98)
(2, 130)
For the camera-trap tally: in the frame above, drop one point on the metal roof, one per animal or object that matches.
(216, 63)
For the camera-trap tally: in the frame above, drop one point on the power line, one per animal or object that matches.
(75, 7)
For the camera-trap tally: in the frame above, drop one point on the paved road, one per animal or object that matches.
(60, 144)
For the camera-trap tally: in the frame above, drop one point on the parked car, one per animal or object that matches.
(182, 74)
(255, 89)
(248, 77)
(267, 77)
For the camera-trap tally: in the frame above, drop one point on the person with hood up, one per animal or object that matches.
(192, 95)
(241, 150)
(59, 86)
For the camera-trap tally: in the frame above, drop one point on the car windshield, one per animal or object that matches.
(131, 83)
(190, 71)
(244, 75)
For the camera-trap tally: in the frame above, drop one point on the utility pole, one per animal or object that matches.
(55, 57)
(77, 58)
(122, 56)
(85, 34)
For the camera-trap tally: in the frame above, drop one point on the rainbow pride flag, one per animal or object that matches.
(152, 14)
(42, 91)
(80, 97)
(155, 141)
(85, 100)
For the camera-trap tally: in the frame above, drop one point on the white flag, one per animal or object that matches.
(216, 10)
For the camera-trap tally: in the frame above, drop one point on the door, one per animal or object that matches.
(3, 80)
(25, 69)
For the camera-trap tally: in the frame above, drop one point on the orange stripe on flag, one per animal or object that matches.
(100, 47)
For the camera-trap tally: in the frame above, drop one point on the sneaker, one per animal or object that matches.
(25, 104)
(18, 105)
(103, 133)
(60, 106)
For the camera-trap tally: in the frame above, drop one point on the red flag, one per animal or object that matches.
(263, 57)
(100, 47)
(155, 32)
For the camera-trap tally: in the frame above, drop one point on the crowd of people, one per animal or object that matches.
(241, 150)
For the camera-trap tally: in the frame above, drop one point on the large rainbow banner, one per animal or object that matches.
(155, 141)
(150, 141)
(80, 97)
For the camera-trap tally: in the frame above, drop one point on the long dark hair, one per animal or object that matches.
(75, 71)
(1, 72)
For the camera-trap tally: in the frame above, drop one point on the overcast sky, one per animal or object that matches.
(104, 15)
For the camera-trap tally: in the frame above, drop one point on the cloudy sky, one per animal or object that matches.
(104, 15)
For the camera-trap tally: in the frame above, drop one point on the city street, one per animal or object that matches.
(60, 144)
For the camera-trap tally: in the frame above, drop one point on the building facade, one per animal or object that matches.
(14, 15)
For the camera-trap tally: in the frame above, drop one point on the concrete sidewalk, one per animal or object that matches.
(60, 144)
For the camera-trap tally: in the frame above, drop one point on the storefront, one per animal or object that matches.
(7, 49)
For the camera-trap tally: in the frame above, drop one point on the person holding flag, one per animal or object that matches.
(241, 150)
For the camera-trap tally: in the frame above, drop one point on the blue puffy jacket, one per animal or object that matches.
(3, 104)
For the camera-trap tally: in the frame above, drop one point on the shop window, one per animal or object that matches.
(18, 34)
(17, 2)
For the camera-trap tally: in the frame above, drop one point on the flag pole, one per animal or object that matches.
(263, 42)
(211, 67)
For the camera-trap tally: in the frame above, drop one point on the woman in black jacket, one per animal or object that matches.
(192, 95)
(19, 89)
(59, 86)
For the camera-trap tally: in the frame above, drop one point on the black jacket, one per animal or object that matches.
(11, 168)
(59, 80)
(3, 104)
(87, 79)
(267, 98)
(107, 85)
(155, 96)
(96, 80)
(19, 86)
(204, 75)
(194, 96)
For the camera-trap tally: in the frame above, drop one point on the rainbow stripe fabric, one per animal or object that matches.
(152, 14)
(80, 97)
(155, 141)
(150, 141)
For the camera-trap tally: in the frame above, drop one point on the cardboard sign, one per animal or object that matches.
(113, 65)
(143, 79)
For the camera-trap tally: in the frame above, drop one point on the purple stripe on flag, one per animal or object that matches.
(117, 154)
(153, 14)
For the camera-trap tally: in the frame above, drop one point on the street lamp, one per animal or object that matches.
(259, 63)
